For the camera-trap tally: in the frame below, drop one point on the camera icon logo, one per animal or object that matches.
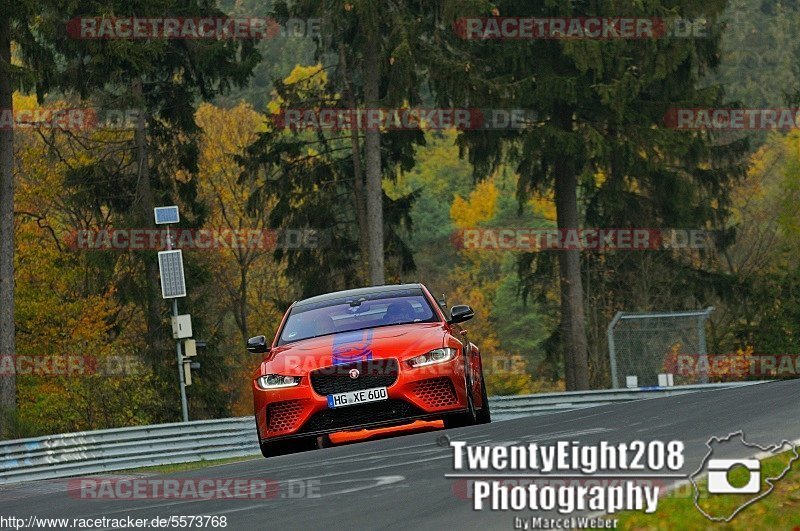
(741, 480)
(719, 482)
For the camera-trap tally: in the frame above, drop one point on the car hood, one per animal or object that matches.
(398, 341)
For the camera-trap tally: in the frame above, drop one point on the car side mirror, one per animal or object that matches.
(460, 313)
(257, 345)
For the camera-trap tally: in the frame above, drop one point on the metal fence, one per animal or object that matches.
(646, 344)
(103, 451)
(93, 452)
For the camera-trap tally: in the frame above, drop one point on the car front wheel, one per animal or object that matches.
(484, 415)
(467, 418)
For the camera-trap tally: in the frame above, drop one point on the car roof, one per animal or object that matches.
(359, 292)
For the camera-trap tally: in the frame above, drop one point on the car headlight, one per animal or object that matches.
(277, 381)
(439, 355)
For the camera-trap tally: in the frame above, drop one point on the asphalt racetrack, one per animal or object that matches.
(399, 482)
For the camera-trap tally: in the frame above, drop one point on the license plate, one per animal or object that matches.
(351, 398)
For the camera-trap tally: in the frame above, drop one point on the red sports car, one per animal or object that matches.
(361, 359)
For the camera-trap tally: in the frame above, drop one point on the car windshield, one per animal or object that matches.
(356, 313)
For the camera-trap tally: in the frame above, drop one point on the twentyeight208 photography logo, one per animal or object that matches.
(734, 483)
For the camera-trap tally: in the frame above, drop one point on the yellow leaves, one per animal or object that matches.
(600, 177)
(478, 208)
(544, 205)
(777, 149)
(228, 130)
(480, 277)
(308, 80)
(503, 382)
(771, 190)
(22, 101)
(226, 134)
(53, 306)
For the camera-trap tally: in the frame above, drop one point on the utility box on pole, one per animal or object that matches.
(189, 348)
(181, 326)
(187, 373)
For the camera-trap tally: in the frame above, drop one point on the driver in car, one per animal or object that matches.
(399, 312)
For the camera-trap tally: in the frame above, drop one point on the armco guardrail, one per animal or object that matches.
(509, 407)
(93, 452)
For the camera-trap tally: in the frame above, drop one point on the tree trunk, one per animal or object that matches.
(243, 302)
(573, 326)
(372, 148)
(144, 215)
(358, 173)
(8, 384)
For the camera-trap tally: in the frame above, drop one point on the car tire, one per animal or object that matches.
(484, 415)
(467, 418)
(288, 446)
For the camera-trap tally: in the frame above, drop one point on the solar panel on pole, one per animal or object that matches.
(173, 286)
(165, 215)
(173, 283)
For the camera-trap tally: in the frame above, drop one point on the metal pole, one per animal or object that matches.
(701, 334)
(184, 405)
(612, 351)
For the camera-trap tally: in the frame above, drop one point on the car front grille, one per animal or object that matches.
(356, 416)
(371, 373)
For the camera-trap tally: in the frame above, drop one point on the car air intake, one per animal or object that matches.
(436, 392)
(358, 416)
(282, 416)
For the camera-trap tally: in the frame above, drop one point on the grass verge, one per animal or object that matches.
(779, 510)
(182, 467)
